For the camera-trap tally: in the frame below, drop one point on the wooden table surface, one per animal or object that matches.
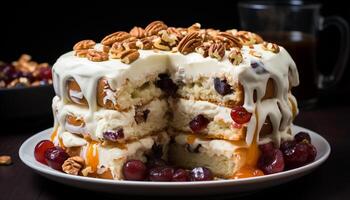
(330, 181)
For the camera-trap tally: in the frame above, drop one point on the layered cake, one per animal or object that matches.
(193, 97)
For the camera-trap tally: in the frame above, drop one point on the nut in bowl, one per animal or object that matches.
(25, 79)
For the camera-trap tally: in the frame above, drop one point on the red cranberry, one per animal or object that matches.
(55, 157)
(199, 123)
(40, 148)
(113, 136)
(271, 162)
(296, 155)
(266, 148)
(180, 175)
(222, 87)
(240, 115)
(301, 136)
(134, 170)
(201, 174)
(312, 153)
(161, 173)
(45, 73)
(167, 85)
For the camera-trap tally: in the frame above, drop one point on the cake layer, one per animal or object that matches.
(220, 124)
(135, 123)
(106, 160)
(220, 156)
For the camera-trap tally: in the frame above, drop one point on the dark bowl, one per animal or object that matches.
(26, 103)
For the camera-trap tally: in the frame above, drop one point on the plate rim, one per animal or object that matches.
(46, 171)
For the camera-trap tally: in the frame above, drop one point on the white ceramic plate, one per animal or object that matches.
(173, 188)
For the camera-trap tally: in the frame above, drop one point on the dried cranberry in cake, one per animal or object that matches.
(45, 73)
(240, 115)
(299, 137)
(113, 136)
(258, 67)
(181, 175)
(163, 173)
(40, 148)
(198, 123)
(55, 157)
(222, 87)
(134, 170)
(167, 85)
(201, 174)
(271, 161)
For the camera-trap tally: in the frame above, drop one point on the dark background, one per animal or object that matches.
(50, 29)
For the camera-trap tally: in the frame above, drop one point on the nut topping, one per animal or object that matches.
(235, 56)
(274, 48)
(204, 49)
(115, 37)
(73, 165)
(154, 27)
(144, 43)
(5, 160)
(128, 56)
(217, 50)
(248, 38)
(194, 27)
(228, 39)
(255, 53)
(96, 56)
(84, 44)
(137, 32)
(189, 43)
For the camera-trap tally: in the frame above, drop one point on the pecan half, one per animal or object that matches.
(130, 43)
(84, 44)
(177, 32)
(235, 56)
(144, 43)
(81, 53)
(217, 50)
(189, 43)
(194, 27)
(96, 56)
(137, 32)
(73, 165)
(128, 56)
(5, 160)
(116, 49)
(154, 27)
(228, 39)
(271, 47)
(115, 37)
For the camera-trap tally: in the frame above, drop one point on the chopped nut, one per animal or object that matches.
(255, 53)
(154, 27)
(73, 165)
(141, 115)
(84, 44)
(271, 47)
(144, 43)
(177, 32)
(189, 43)
(165, 41)
(5, 160)
(116, 49)
(248, 38)
(97, 56)
(86, 171)
(137, 32)
(204, 49)
(157, 43)
(228, 39)
(194, 27)
(118, 36)
(217, 50)
(101, 47)
(235, 56)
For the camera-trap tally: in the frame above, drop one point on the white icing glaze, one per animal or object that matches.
(71, 140)
(280, 67)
